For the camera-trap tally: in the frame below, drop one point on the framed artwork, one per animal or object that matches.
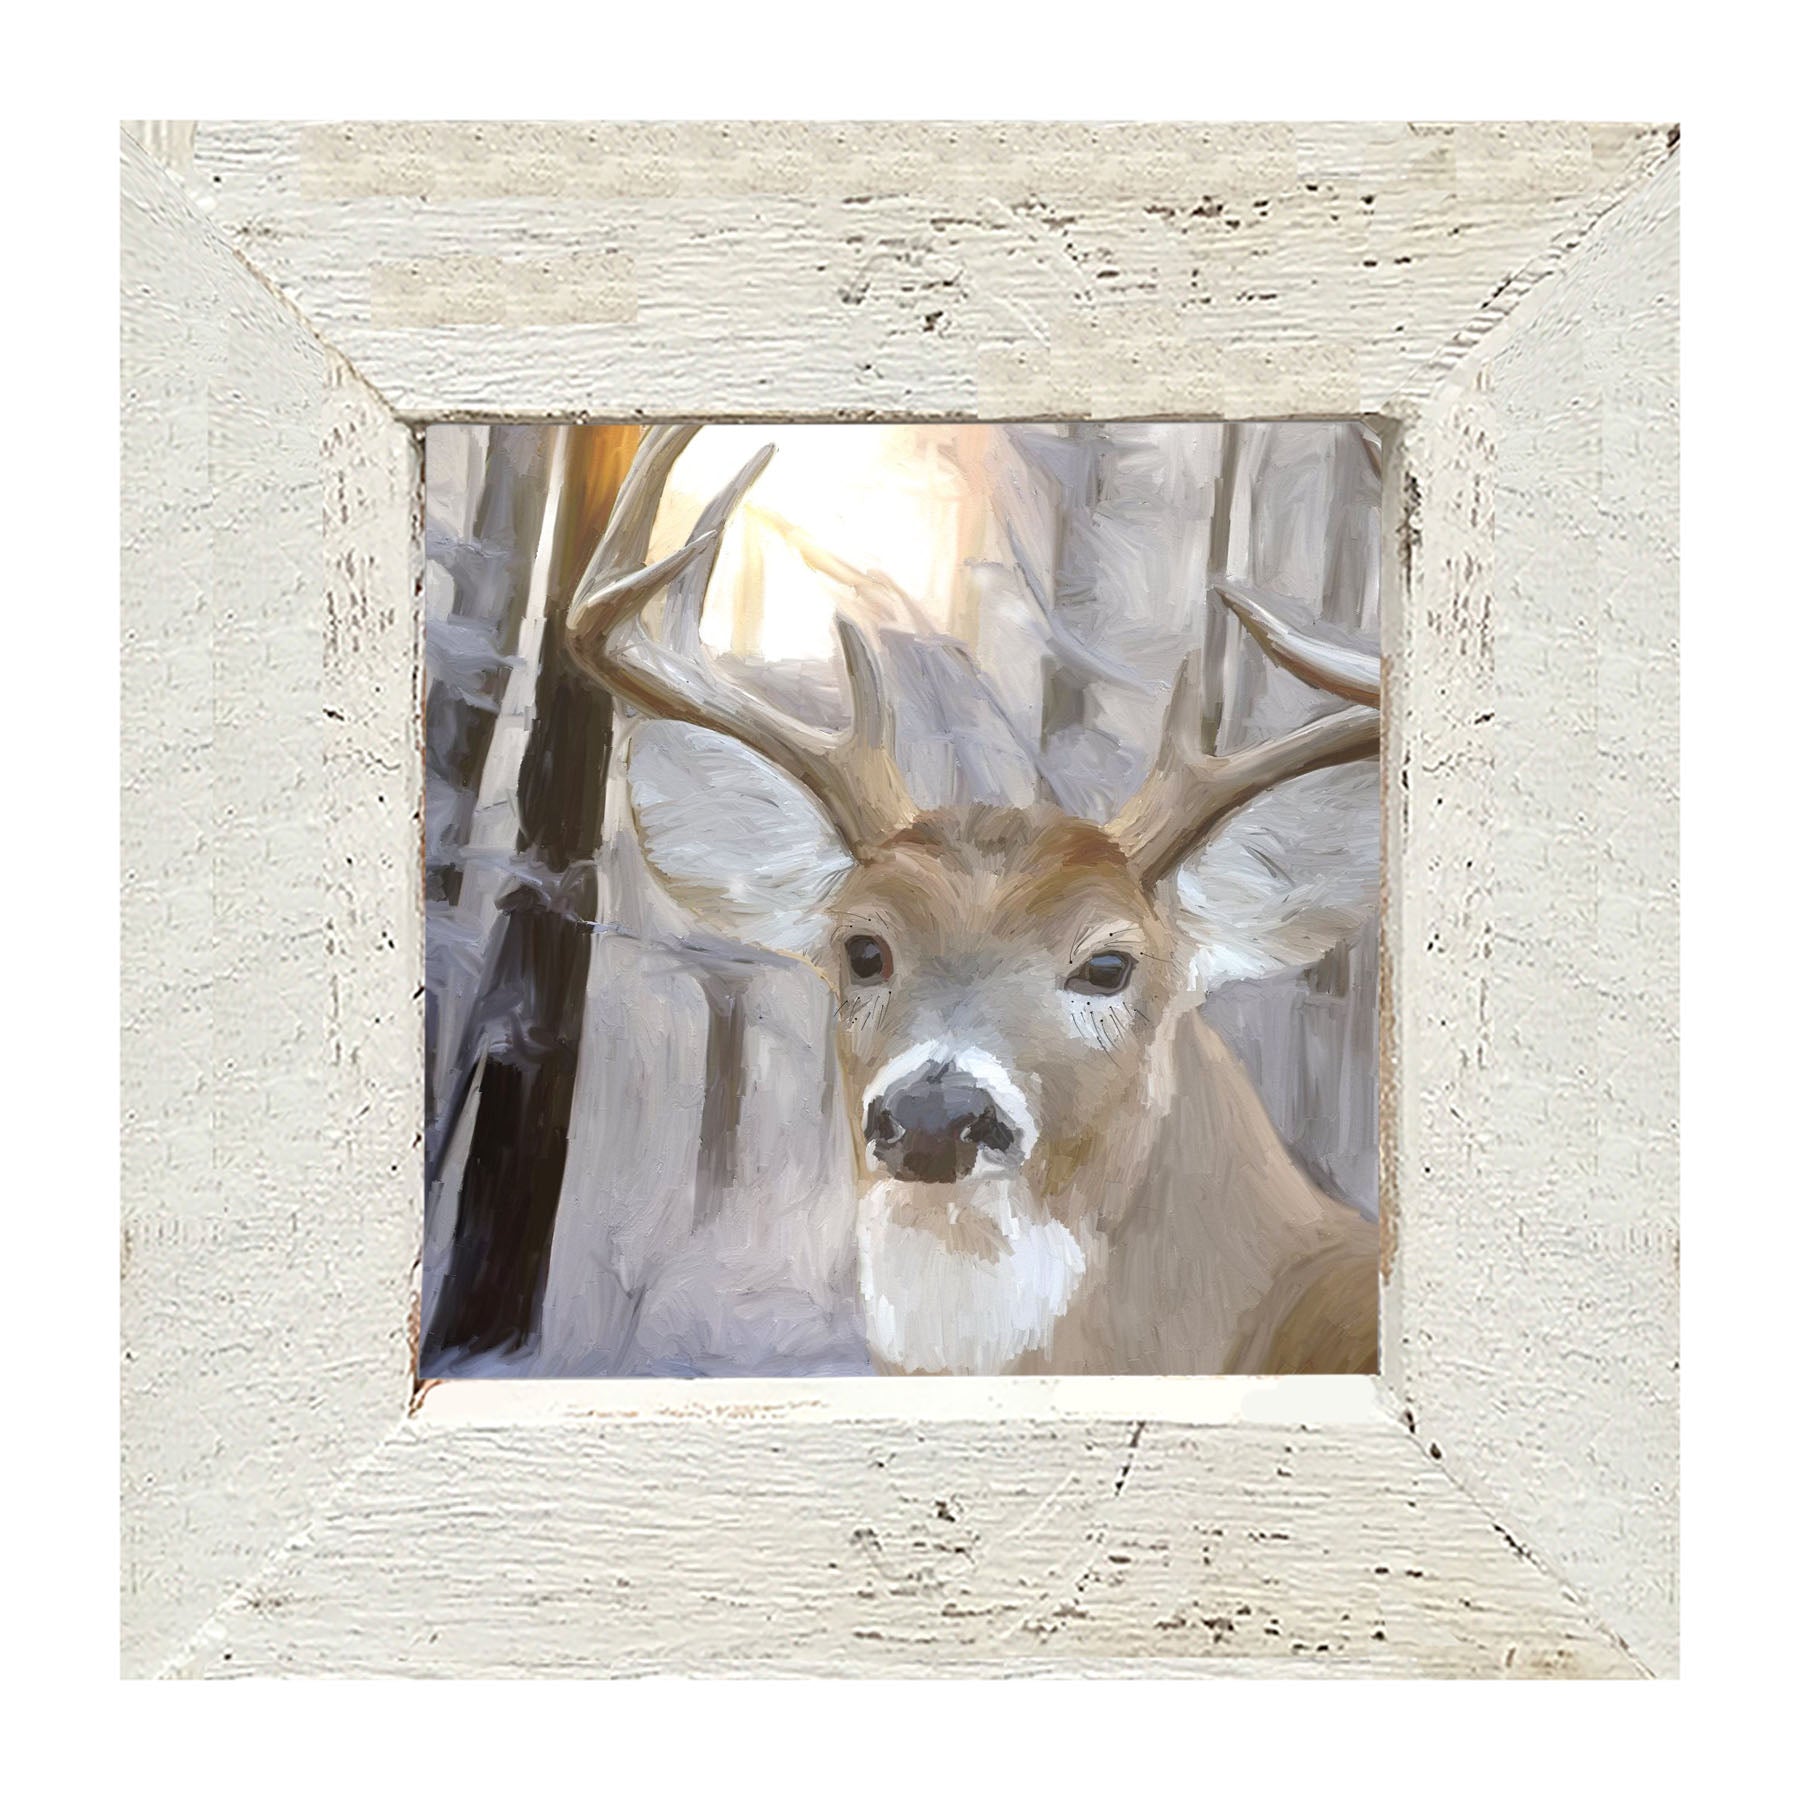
(847, 952)
(899, 899)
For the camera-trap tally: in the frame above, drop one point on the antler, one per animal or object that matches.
(1340, 669)
(852, 773)
(1191, 790)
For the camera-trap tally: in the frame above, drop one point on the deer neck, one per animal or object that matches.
(1211, 1214)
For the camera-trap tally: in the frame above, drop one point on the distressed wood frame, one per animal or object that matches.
(299, 300)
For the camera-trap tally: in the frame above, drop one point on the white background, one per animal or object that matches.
(1716, 70)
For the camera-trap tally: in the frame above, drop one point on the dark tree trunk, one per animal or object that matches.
(519, 1053)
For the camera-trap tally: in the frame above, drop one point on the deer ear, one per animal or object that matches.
(1284, 879)
(733, 838)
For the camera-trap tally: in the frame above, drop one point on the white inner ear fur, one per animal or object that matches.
(733, 838)
(1284, 879)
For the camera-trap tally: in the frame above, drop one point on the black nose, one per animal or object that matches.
(934, 1128)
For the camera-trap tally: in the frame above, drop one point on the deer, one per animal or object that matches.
(1060, 1168)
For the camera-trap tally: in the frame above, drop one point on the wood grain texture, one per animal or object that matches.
(1505, 295)
(902, 1548)
(166, 141)
(1534, 1307)
(270, 948)
(850, 270)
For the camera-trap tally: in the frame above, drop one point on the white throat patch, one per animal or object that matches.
(937, 1309)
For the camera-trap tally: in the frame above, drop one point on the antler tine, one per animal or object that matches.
(1190, 792)
(687, 592)
(871, 717)
(626, 538)
(852, 774)
(1339, 669)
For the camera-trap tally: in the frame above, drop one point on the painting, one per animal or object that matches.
(901, 899)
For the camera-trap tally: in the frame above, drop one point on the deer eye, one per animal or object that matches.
(869, 957)
(1106, 973)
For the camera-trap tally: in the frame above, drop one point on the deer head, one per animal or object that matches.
(1002, 974)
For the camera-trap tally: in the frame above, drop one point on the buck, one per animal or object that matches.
(1060, 1166)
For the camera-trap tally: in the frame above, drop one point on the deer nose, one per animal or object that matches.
(934, 1128)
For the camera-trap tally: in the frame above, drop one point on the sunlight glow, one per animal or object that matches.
(862, 494)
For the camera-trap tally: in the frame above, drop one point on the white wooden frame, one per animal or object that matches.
(299, 300)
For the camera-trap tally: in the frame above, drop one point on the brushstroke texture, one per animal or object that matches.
(518, 1057)
(719, 1245)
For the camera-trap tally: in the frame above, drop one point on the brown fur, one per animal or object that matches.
(1192, 1224)
(979, 894)
(933, 1208)
(1221, 1257)
(1322, 1317)
(1024, 871)
(1210, 1250)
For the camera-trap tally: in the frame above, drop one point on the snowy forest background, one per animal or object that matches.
(636, 1162)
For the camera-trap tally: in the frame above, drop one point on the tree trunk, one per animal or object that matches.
(1222, 649)
(715, 1168)
(491, 572)
(525, 1030)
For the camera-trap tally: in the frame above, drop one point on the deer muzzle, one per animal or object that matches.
(935, 1124)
